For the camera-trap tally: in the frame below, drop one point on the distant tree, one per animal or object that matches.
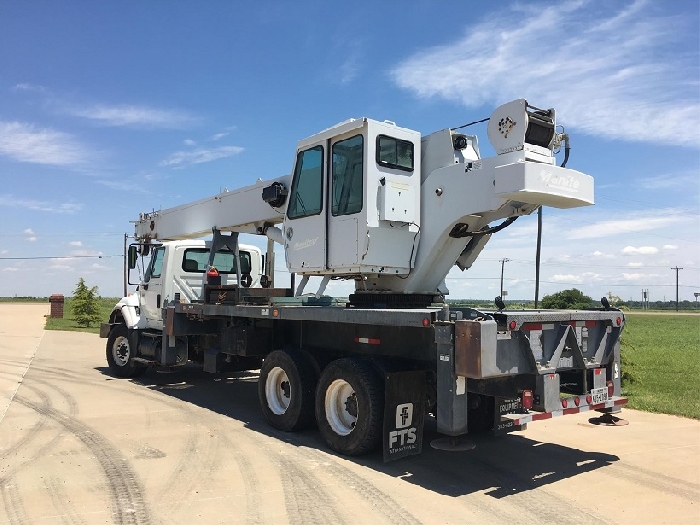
(566, 299)
(85, 306)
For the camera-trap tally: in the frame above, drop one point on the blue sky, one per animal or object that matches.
(109, 109)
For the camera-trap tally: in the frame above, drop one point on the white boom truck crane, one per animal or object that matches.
(393, 211)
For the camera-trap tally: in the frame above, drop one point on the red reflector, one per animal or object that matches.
(577, 401)
(611, 388)
(512, 325)
(426, 321)
(532, 326)
(598, 371)
(368, 340)
(213, 272)
(589, 399)
(526, 398)
(619, 321)
(590, 324)
(564, 403)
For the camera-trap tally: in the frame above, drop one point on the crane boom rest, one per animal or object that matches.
(393, 211)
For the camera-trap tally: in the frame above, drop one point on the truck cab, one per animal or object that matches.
(177, 271)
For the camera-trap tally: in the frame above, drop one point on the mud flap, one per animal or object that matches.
(503, 425)
(404, 411)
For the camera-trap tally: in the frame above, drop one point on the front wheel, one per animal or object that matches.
(350, 406)
(120, 354)
(286, 390)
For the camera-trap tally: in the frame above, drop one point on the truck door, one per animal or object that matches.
(151, 291)
(305, 223)
(346, 181)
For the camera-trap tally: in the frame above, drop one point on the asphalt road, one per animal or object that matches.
(78, 446)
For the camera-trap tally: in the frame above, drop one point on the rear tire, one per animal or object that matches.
(286, 390)
(350, 406)
(120, 354)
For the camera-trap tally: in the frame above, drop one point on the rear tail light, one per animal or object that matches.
(577, 401)
(611, 388)
(526, 398)
(564, 403)
(589, 399)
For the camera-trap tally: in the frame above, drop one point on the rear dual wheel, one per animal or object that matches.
(350, 406)
(286, 390)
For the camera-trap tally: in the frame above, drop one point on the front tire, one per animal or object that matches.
(120, 354)
(286, 390)
(350, 406)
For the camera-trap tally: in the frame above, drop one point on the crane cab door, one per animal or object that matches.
(305, 223)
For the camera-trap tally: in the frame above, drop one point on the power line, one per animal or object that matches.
(60, 257)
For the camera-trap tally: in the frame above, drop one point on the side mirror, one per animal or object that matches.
(132, 256)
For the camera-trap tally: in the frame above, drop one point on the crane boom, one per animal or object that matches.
(241, 210)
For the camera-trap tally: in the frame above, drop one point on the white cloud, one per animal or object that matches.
(642, 250)
(122, 185)
(189, 142)
(218, 136)
(200, 155)
(125, 115)
(75, 243)
(85, 253)
(650, 220)
(4, 252)
(602, 255)
(62, 267)
(684, 181)
(31, 239)
(670, 247)
(610, 69)
(28, 231)
(635, 265)
(24, 142)
(10, 201)
(568, 278)
(10, 269)
(24, 86)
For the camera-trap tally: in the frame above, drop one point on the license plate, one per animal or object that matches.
(599, 395)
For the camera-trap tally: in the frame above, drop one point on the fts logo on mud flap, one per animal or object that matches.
(405, 434)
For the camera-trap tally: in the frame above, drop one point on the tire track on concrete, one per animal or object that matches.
(655, 481)
(60, 500)
(12, 500)
(382, 503)
(127, 501)
(306, 500)
(30, 435)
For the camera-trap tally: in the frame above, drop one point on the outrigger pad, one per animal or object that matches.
(608, 420)
(452, 444)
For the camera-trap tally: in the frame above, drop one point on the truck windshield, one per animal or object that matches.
(195, 261)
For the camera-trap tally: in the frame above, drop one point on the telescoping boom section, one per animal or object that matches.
(392, 212)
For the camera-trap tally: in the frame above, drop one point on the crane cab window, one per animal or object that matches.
(195, 261)
(348, 169)
(307, 187)
(394, 153)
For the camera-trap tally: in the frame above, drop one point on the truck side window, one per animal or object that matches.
(394, 153)
(348, 170)
(307, 188)
(195, 261)
(156, 266)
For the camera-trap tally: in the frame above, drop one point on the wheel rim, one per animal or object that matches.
(121, 351)
(341, 407)
(278, 391)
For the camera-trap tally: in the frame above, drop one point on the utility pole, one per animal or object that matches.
(503, 262)
(677, 269)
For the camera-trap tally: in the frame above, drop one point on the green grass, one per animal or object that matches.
(661, 353)
(69, 324)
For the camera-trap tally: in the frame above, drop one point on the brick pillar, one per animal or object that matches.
(56, 301)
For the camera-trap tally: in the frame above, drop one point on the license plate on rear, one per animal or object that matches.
(599, 395)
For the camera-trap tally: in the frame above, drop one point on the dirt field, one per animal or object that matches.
(79, 446)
